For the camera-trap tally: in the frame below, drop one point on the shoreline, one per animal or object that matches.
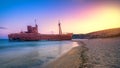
(75, 58)
(91, 53)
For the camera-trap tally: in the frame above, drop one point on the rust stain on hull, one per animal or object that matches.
(37, 36)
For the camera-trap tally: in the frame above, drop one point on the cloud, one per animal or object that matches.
(3, 28)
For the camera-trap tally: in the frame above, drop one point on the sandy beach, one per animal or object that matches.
(73, 59)
(91, 53)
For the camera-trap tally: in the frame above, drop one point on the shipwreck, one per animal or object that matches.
(32, 34)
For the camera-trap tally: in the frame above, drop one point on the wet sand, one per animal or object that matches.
(91, 53)
(75, 58)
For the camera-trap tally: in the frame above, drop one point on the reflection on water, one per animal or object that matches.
(31, 54)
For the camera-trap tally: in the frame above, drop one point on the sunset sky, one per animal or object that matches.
(76, 16)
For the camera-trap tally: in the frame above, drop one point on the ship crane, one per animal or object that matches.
(60, 30)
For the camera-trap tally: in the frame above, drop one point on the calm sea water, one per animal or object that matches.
(31, 54)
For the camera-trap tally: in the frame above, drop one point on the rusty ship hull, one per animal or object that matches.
(32, 34)
(37, 37)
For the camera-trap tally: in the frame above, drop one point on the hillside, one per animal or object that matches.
(115, 32)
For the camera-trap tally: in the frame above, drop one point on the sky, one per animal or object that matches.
(76, 16)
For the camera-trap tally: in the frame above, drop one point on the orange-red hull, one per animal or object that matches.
(37, 36)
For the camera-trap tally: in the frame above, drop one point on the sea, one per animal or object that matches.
(33, 54)
(97, 53)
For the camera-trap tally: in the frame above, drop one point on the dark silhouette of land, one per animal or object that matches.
(108, 33)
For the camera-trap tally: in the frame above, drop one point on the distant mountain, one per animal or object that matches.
(115, 32)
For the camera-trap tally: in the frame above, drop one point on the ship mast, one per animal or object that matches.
(35, 23)
(60, 30)
(36, 26)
